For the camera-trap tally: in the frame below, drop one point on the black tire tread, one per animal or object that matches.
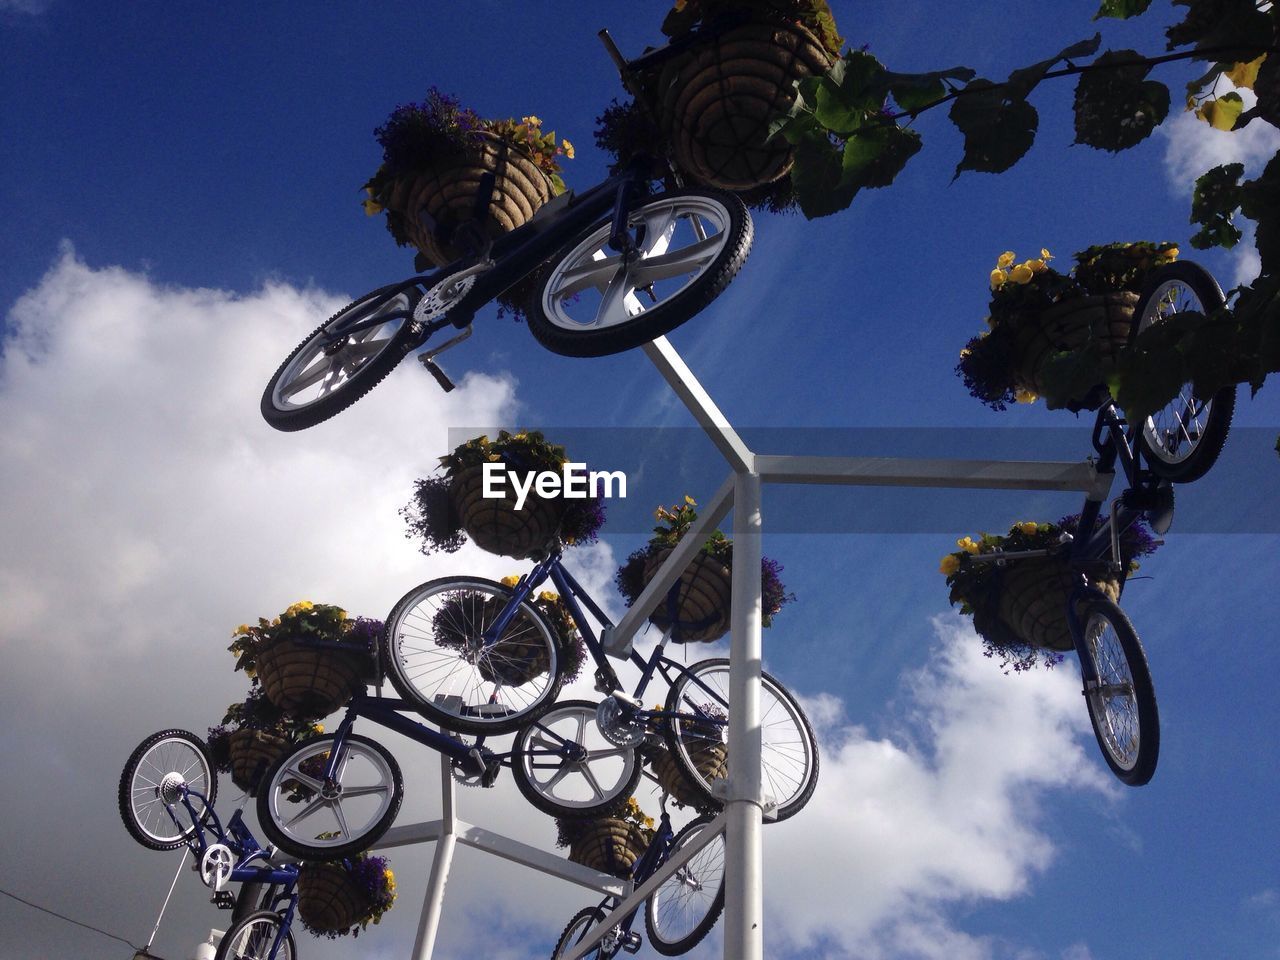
(699, 932)
(596, 915)
(224, 947)
(1144, 694)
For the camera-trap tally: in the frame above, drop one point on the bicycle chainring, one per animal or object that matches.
(443, 297)
(216, 866)
(618, 724)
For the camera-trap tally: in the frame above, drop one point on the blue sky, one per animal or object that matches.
(181, 205)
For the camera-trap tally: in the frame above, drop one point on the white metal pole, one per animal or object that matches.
(744, 867)
(433, 904)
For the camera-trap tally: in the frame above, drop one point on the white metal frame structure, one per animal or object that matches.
(745, 804)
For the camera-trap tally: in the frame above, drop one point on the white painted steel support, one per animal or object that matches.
(744, 867)
(425, 942)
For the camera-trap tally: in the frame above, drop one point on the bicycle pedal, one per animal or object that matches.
(630, 943)
(442, 378)
(224, 900)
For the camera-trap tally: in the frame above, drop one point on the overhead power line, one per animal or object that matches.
(60, 916)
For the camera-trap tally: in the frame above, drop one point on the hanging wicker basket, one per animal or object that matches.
(494, 523)
(1103, 321)
(710, 759)
(518, 656)
(702, 599)
(1033, 600)
(717, 103)
(609, 845)
(447, 193)
(328, 899)
(251, 753)
(307, 682)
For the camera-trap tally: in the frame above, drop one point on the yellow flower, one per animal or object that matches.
(1037, 266)
(998, 277)
(690, 501)
(1005, 259)
(1027, 527)
(1045, 254)
(1022, 395)
(548, 596)
(568, 149)
(241, 630)
(531, 121)
(372, 207)
(299, 607)
(1021, 274)
(509, 581)
(1172, 253)
(967, 545)
(949, 565)
(317, 728)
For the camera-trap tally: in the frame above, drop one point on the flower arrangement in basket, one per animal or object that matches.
(1019, 608)
(310, 659)
(344, 897)
(434, 153)
(715, 102)
(252, 736)
(1058, 335)
(448, 508)
(705, 746)
(699, 609)
(608, 844)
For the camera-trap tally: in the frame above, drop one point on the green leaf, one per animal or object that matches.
(998, 130)
(876, 155)
(1069, 376)
(1115, 106)
(1214, 203)
(1147, 380)
(916, 91)
(815, 177)
(1121, 9)
(1236, 25)
(1260, 201)
(1222, 112)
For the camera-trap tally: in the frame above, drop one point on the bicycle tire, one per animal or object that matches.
(311, 364)
(339, 829)
(574, 789)
(1122, 710)
(789, 750)
(142, 808)
(567, 319)
(687, 886)
(243, 942)
(1171, 289)
(424, 652)
(578, 927)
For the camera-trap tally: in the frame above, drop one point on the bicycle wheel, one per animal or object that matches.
(342, 360)
(1183, 439)
(1122, 708)
(594, 301)
(593, 782)
(436, 658)
(314, 822)
(150, 788)
(577, 931)
(253, 938)
(788, 750)
(687, 904)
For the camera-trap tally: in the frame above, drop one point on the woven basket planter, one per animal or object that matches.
(609, 845)
(717, 103)
(710, 759)
(328, 899)
(252, 752)
(1033, 600)
(306, 682)
(448, 194)
(513, 660)
(494, 524)
(1103, 321)
(702, 606)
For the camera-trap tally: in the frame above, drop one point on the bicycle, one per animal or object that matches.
(677, 915)
(1177, 444)
(166, 797)
(336, 794)
(474, 655)
(613, 268)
